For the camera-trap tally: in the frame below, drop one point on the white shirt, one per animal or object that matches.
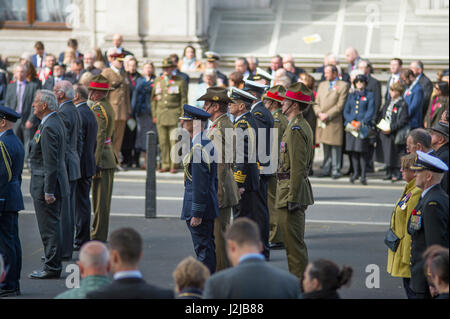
(127, 274)
(237, 118)
(426, 190)
(115, 69)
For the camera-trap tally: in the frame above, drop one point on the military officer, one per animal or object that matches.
(105, 158)
(200, 203)
(264, 123)
(12, 155)
(272, 101)
(428, 223)
(216, 104)
(168, 97)
(294, 192)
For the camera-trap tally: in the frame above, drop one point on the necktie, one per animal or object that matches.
(19, 98)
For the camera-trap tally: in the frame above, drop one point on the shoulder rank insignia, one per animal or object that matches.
(432, 204)
(257, 114)
(296, 127)
(276, 120)
(98, 107)
(239, 177)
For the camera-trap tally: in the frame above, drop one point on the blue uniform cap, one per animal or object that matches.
(194, 113)
(9, 114)
(255, 86)
(429, 162)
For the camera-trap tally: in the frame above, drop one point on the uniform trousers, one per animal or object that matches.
(49, 223)
(292, 224)
(83, 211)
(102, 187)
(203, 239)
(10, 249)
(165, 145)
(274, 213)
(117, 139)
(68, 221)
(262, 214)
(220, 227)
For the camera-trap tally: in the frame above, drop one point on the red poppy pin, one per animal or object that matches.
(171, 81)
(394, 110)
(363, 98)
(408, 93)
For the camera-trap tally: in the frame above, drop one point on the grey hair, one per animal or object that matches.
(93, 53)
(47, 96)
(94, 254)
(66, 87)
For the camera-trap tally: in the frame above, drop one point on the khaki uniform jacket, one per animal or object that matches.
(227, 189)
(168, 97)
(280, 122)
(331, 102)
(296, 154)
(104, 153)
(398, 264)
(119, 98)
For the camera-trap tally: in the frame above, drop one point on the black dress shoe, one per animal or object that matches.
(336, 176)
(363, 181)
(353, 179)
(45, 274)
(276, 245)
(9, 292)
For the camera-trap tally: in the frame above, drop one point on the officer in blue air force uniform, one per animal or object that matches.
(200, 203)
(12, 155)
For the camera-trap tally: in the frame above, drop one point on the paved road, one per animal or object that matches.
(347, 224)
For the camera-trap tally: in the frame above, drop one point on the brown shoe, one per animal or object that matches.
(173, 170)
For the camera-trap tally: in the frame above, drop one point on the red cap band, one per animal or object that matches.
(298, 96)
(99, 85)
(274, 96)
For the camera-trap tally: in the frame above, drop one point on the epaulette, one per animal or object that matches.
(99, 107)
(7, 159)
(239, 177)
(257, 114)
(276, 120)
(242, 122)
(432, 203)
(296, 127)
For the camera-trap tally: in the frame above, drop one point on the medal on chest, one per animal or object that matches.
(37, 136)
(283, 147)
(404, 201)
(416, 220)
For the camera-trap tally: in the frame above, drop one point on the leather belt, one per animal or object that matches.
(283, 176)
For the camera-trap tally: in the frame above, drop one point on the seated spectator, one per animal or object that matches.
(71, 52)
(395, 113)
(251, 276)
(94, 268)
(438, 104)
(323, 278)
(209, 79)
(189, 277)
(76, 70)
(436, 270)
(189, 60)
(398, 264)
(125, 251)
(236, 80)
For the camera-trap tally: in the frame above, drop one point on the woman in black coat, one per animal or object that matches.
(358, 112)
(395, 111)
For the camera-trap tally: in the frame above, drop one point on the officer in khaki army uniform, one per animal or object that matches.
(216, 104)
(294, 192)
(102, 183)
(272, 101)
(168, 97)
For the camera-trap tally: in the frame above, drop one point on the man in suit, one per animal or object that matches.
(425, 83)
(272, 101)
(125, 252)
(200, 203)
(413, 97)
(88, 61)
(74, 143)
(58, 74)
(251, 276)
(439, 142)
(11, 201)
(275, 63)
(212, 62)
(216, 104)
(331, 97)
(117, 41)
(94, 268)
(88, 167)
(241, 66)
(118, 97)
(294, 193)
(395, 67)
(264, 123)
(352, 57)
(49, 181)
(428, 223)
(38, 58)
(19, 97)
(76, 71)
(105, 158)
(47, 70)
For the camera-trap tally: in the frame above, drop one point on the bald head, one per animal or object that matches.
(117, 40)
(94, 258)
(351, 54)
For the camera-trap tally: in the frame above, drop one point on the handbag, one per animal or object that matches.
(391, 240)
(400, 136)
